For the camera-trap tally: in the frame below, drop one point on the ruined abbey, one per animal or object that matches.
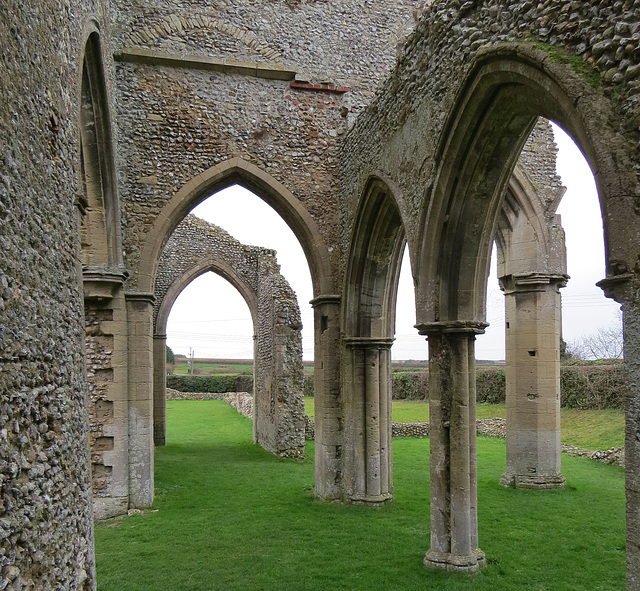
(366, 125)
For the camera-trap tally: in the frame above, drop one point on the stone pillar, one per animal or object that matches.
(533, 328)
(454, 521)
(107, 375)
(367, 404)
(625, 288)
(140, 322)
(159, 389)
(329, 482)
(254, 421)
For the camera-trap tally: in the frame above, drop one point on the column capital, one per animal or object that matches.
(324, 299)
(159, 337)
(618, 287)
(101, 283)
(368, 342)
(451, 327)
(533, 281)
(140, 296)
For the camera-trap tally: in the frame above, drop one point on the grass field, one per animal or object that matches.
(230, 516)
(593, 429)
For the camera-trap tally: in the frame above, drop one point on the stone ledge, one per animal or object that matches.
(137, 55)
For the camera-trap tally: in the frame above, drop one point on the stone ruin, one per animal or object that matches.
(365, 125)
(196, 247)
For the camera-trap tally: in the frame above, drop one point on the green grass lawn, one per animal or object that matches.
(230, 516)
(593, 429)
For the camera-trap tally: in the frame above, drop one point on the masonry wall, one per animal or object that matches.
(177, 122)
(46, 537)
(601, 41)
(278, 370)
(194, 242)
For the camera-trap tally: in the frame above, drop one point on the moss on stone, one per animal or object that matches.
(559, 56)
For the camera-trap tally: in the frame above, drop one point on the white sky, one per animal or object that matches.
(211, 317)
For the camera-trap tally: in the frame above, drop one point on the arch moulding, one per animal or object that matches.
(506, 90)
(221, 176)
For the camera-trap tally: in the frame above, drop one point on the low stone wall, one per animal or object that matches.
(241, 401)
(177, 395)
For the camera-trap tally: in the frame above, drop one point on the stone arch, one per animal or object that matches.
(368, 321)
(214, 264)
(216, 178)
(495, 111)
(100, 230)
(196, 247)
(449, 131)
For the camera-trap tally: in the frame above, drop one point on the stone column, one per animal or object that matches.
(159, 389)
(254, 421)
(107, 376)
(140, 322)
(625, 288)
(367, 404)
(454, 521)
(533, 328)
(328, 399)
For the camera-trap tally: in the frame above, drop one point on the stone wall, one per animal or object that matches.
(600, 41)
(238, 90)
(46, 535)
(278, 365)
(196, 244)
(196, 247)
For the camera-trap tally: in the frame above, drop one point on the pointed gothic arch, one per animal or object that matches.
(100, 230)
(495, 110)
(231, 172)
(368, 321)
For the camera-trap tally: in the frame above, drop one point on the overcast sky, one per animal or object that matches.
(212, 319)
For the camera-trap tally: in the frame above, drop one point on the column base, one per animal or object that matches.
(538, 482)
(470, 564)
(108, 507)
(371, 501)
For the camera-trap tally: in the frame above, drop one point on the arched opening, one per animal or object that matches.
(368, 322)
(495, 114)
(239, 172)
(224, 326)
(274, 344)
(319, 257)
(100, 231)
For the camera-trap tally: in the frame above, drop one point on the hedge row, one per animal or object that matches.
(592, 386)
(213, 383)
(583, 387)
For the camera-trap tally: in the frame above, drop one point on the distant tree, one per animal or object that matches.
(170, 356)
(604, 343)
(565, 351)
